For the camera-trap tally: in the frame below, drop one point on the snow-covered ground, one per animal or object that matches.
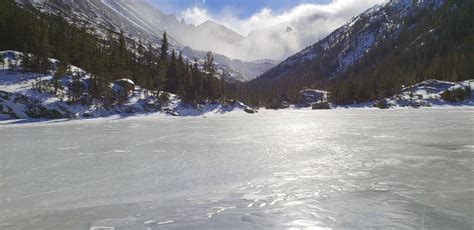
(424, 94)
(429, 93)
(19, 100)
(299, 169)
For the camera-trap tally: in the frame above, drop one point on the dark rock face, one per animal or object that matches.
(278, 103)
(20, 106)
(321, 106)
(36, 111)
(249, 110)
(127, 84)
(381, 104)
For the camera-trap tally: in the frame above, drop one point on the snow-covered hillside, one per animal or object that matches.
(348, 44)
(20, 97)
(429, 93)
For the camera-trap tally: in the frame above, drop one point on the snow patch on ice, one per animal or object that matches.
(102, 228)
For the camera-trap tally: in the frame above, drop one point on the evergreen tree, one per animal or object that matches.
(196, 82)
(181, 76)
(164, 48)
(209, 70)
(151, 66)
(163, 80)
(172, 76)
(58, 75)
(26, 63)
(43, 53)
(454, 76)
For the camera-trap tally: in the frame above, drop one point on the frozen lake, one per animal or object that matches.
(348, 169)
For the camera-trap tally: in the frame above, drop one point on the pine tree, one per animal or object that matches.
(151, 68)
(454, 76)
(209, 70)
(164, 48)
(196, 82)
(209, 64)
(172, 84)
(43, 52)
(26, 63)
(163, 80)
(181, 75)
(58, 75)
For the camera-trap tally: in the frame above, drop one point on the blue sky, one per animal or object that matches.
(240, 8)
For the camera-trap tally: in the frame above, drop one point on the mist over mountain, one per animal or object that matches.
(271, 34)
(139, 20)
(263, 35)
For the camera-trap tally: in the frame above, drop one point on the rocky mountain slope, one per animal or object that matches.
(373, 55)
(348, 44)
(246, 70)
(138, 19)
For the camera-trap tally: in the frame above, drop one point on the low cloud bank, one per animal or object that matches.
(276, 35)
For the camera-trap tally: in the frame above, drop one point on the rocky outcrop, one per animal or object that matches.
(15, 106)
(309, 97)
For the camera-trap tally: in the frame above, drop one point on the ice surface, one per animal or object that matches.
(338, 169)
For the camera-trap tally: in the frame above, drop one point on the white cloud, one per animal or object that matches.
(265, 29)
(195, 15)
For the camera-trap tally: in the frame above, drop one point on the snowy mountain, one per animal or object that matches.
(246, 70)
(138, 19)
(103, 15)
(348, 44)
(400, 43)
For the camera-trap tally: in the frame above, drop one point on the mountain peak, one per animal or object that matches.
(209, 23)
(213, 25)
